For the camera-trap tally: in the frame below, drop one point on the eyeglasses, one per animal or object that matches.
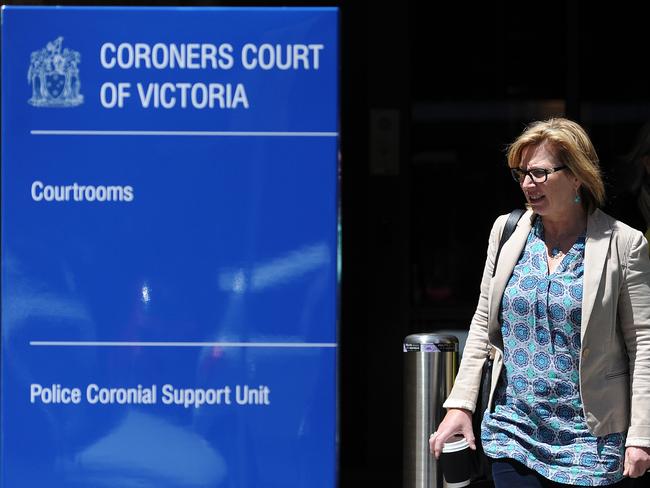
(538, 175)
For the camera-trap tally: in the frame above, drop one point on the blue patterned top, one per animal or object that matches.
(537, 417)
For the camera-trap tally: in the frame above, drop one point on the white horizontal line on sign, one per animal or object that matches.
(192, 133)
(180, 344)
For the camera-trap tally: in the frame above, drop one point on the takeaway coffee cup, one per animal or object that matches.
(455, 462)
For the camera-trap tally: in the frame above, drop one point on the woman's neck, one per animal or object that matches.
(573, 223)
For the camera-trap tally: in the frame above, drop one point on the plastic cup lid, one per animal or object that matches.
(455, 446)
(460, 484)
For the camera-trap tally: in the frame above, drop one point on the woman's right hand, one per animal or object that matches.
(457, 421)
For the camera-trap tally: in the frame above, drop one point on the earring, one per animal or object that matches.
(577, 198)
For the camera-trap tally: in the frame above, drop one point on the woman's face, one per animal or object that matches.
(555, 197)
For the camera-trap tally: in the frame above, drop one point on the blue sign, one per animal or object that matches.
(169, 247)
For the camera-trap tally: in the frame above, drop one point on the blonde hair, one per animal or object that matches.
(572, 147)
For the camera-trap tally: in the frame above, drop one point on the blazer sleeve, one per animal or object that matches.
(466, 385)
(634, 319)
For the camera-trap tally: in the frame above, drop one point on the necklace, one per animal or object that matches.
(556, 251)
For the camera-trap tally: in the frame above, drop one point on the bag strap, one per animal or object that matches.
(513, 218)
(508, 229)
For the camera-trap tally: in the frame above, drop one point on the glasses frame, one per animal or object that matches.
(519, 175)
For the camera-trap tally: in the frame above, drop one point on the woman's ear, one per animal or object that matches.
(576, 184)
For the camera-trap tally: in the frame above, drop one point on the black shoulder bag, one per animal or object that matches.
(481, 468)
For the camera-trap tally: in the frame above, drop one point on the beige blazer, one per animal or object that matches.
(615, 330)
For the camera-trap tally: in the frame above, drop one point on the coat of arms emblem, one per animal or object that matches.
(54, 76)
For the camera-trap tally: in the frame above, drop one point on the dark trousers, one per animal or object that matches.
(508, 473)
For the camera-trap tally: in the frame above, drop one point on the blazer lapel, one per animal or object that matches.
(598, 236)
(507, 260)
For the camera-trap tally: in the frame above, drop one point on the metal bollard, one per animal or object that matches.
(430, 366)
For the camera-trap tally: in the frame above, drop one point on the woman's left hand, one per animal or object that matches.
(637, 461)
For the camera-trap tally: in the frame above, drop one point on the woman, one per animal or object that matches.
(567, 317)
